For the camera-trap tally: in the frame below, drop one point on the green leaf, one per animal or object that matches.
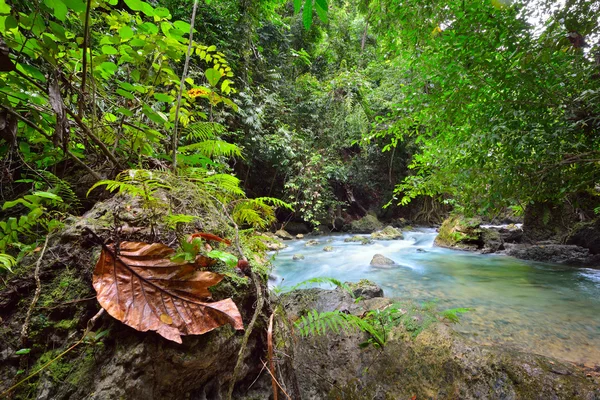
(125, 94)
(124, 111)
(163, 97)
(162, 12)
(108, 67)
(22, 352)
(297, 6)
(126, 33)
(60, 9)
(213, 76)
(224, 256)
(148, 27)
(48, 195)
(321, 8)
(76, 5)
(109, 50)
(32, 71)
(4, 8)
(182, 26)
(307, 14)
(153, 115)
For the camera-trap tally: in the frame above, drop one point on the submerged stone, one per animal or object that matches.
(297, 257)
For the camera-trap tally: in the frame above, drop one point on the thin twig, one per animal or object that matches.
(270, 355)
(90, 325)
(175, 138)
(86, 44)
(275, 380)
(36, 296)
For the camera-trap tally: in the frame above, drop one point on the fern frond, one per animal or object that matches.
(321, 280)
(63, 189)
(7, 262)
(212, 148)
(134, 182)
(315, 323)
(274, 201)
(453, 314)
(201, 131)
(225, 183)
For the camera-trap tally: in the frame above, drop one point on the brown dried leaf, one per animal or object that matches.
(144, 289)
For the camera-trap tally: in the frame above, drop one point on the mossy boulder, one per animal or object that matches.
(312, 242)
(283, 234)
(358, 239)
(458, 232)
(298, 257)
(367, 224)
(387, 233)
(328, 248)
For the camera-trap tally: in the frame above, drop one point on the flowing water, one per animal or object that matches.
(542, 308)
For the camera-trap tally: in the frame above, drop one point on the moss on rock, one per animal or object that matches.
(367, 224)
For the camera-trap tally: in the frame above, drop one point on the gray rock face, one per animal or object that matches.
(366, 289)
(436, 364)
(380, 260)
(587, 235)
(555, 253)
(297, 228)
(283, 234)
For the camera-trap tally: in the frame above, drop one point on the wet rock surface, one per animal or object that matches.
(380, 260)
(438, 363)
(555, 253)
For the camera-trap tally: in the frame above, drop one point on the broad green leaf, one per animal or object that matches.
(307, 14)
(125, 94)
(76, 5)
(4, 8)
(224, 256)
(126, 33)
(60, 9)
(22, 352)
(124, 111)
(153, 115)
(163, 97)
(48, 195)
(110, 50)
(108, 67)
(148, 27)
(162, 12)
(182, 26)
(213, 76)
(32, 71)
(136, 42)
(297, 6)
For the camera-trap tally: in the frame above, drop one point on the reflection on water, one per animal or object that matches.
(542, 308)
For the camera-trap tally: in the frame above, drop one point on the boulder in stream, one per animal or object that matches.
(387, 233)
(283, 234)
(358, 239)
(380, 260)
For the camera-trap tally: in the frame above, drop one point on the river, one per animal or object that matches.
(546, 309)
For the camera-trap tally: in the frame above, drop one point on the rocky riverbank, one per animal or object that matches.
(434, 363)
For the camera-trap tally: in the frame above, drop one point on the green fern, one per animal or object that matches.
(201, 131)
(63, 189)
(7, 262)
(315, 323)
(134, 182)
(225, 183)
(212, 148)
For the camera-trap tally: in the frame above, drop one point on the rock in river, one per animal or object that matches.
(382, 261)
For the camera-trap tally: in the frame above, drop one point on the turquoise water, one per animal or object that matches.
(540, 308)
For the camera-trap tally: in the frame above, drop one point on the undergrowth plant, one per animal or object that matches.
(377, 323)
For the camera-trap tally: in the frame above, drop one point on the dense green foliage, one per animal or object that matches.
(337, 108)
